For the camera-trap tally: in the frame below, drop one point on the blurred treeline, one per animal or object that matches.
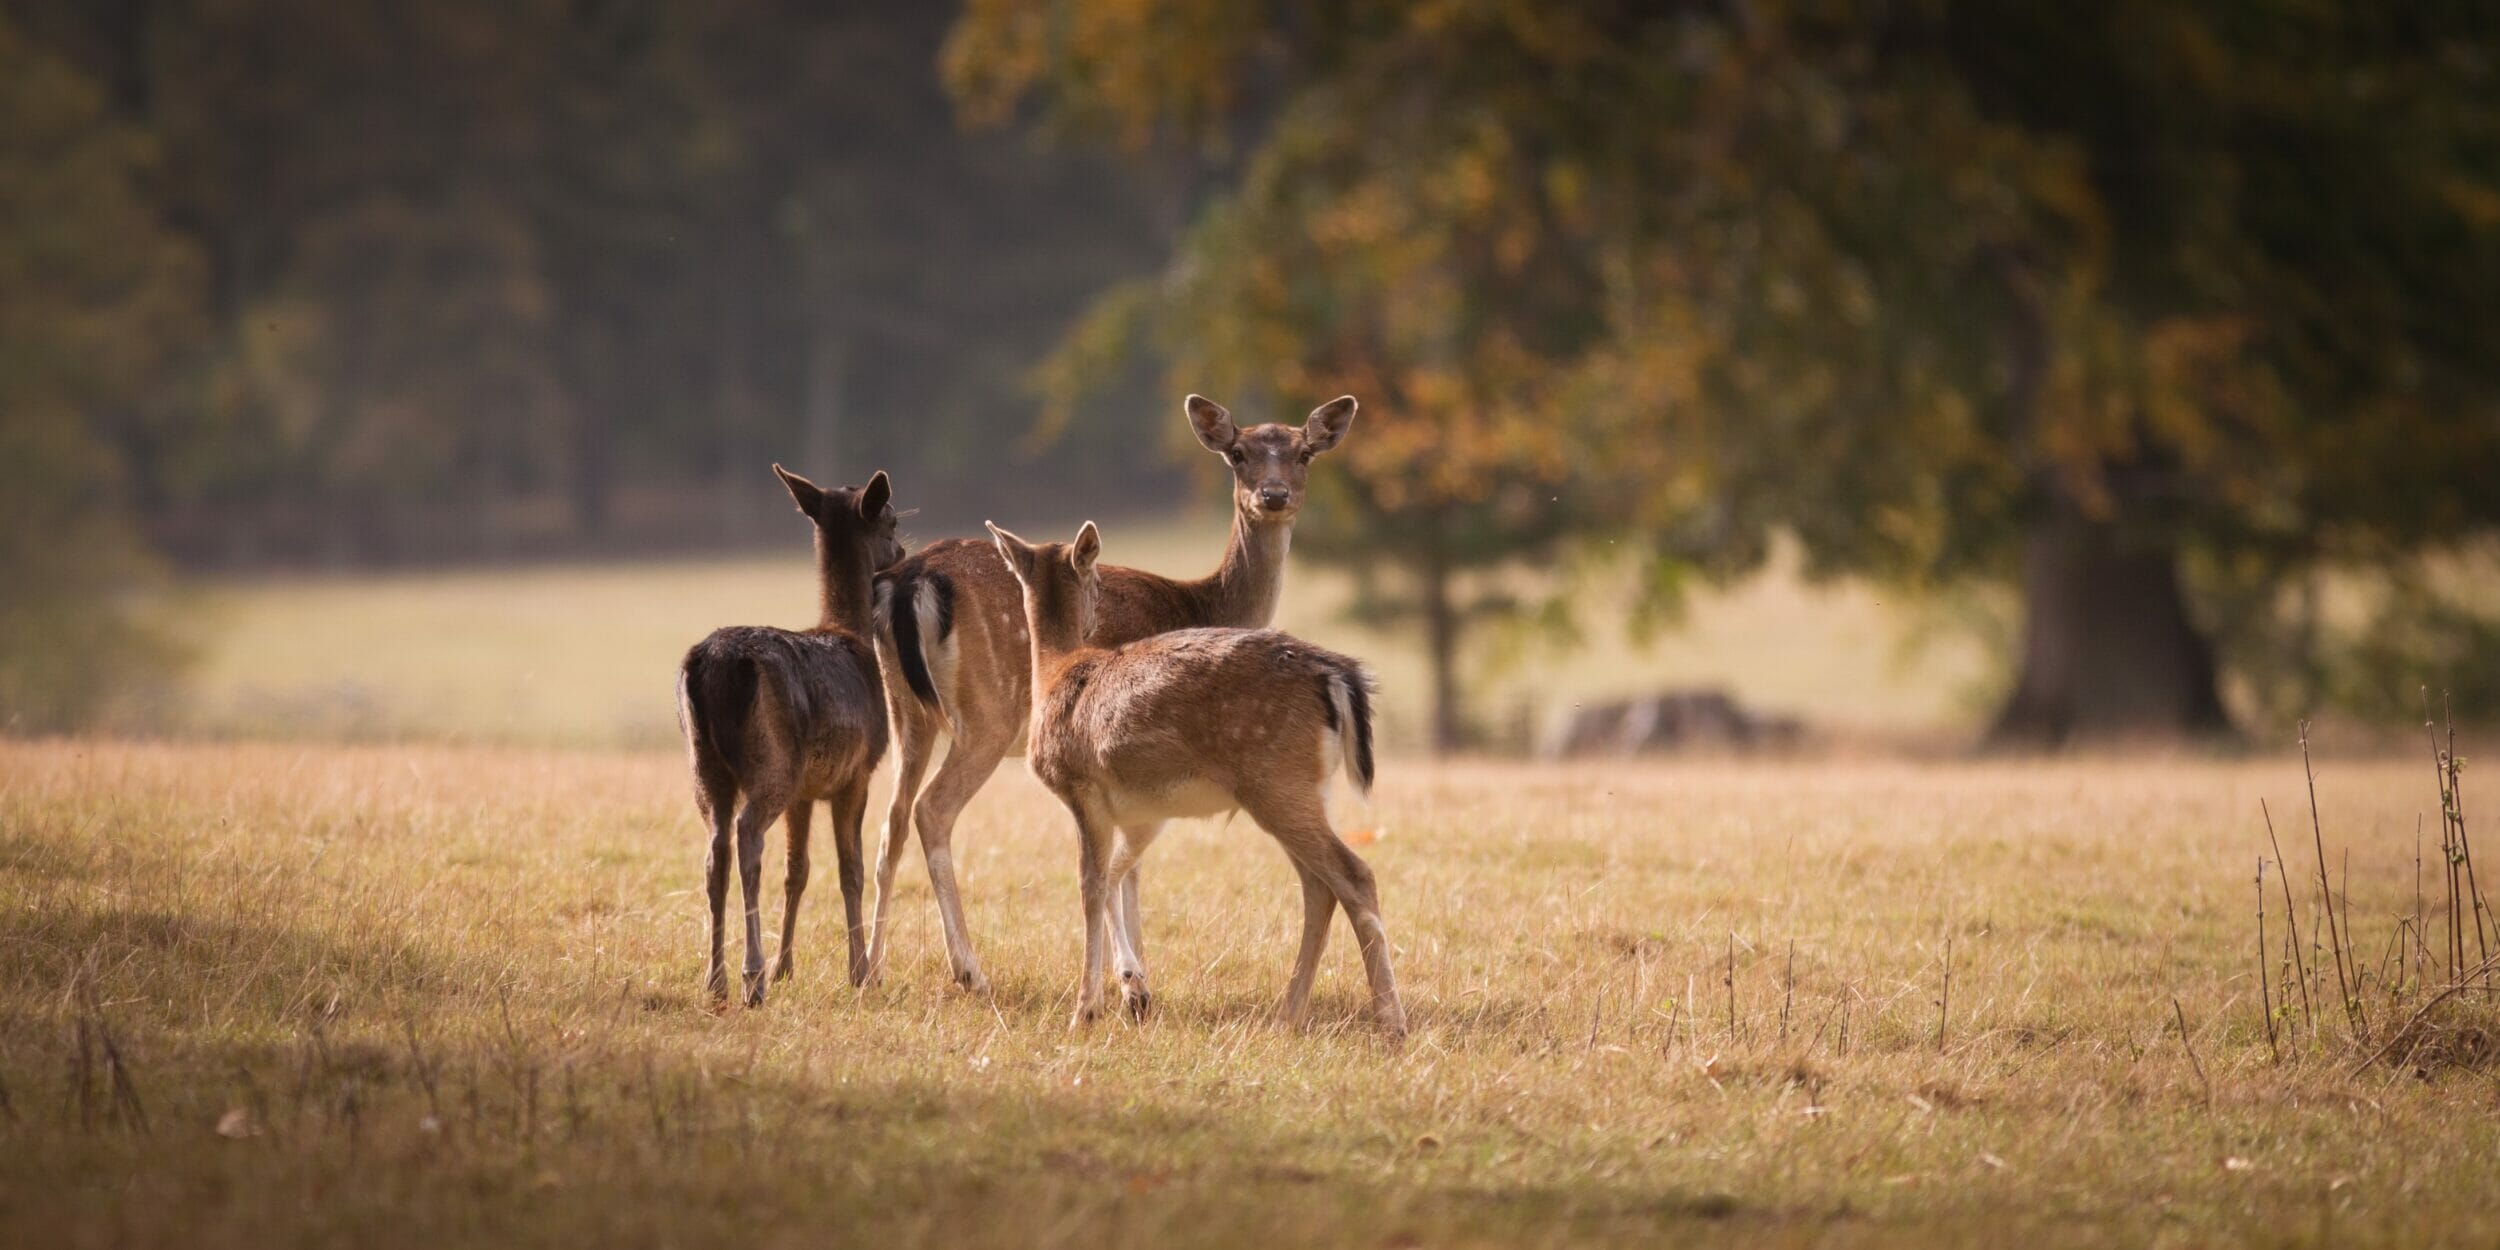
(355, 280)
(2178, 321)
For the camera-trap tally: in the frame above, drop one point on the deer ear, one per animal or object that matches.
(874, 497)
(1086, 549)
(1214, 425)
(806, 493)
(1017, 552)
(1327, 424)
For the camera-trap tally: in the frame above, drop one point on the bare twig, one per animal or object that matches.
(2291, 917)
(2326, 891)
(1788, 990)
(2465, 845)
(1730, 981)
(2189, 1044)
(1944, 998)
(2265, 996)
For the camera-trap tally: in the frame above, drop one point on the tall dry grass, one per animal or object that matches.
(285, 995)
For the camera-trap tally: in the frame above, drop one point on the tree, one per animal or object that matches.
(2138, 307)
(101, 312)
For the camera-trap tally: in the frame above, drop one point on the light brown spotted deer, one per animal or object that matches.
(787, 717)
(951, 637)
(1194, 722)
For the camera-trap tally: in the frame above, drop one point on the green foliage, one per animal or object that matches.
(101, 304)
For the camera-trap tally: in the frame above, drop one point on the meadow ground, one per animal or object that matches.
(585, 655)
(264, 995)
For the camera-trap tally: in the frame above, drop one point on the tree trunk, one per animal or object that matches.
(1441, 640)
(2109, 653)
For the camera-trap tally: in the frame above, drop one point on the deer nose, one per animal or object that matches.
(1274, 498)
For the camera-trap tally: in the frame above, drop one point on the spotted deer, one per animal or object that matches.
(787, 717)
(1195, 722)
(953, 644)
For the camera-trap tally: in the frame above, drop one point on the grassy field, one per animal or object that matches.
(585, 655)
(272, 995)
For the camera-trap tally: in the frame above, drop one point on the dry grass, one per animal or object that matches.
(584, 655)
(450, 995)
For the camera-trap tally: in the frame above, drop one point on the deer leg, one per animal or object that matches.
(1298, 818)
(1127, 929)
(795, 825)
(753, 820)
(1360, 896)
(849, 807)
(1094, 885)
(717, 807)
(1319, 906)
(918, 736)
(968, 763)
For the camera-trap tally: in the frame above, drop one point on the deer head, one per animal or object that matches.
(1270, 463)
(1060, 584)
(848, 517)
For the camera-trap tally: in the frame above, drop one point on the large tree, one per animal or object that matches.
(2137, 307)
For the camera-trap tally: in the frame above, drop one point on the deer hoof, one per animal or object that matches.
(971, 981)
(1134, 996)
(783, 964)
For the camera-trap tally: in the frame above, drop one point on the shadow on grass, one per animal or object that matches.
(473, 1145)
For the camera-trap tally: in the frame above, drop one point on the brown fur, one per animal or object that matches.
(973, 644)
(1193, 723)
(783, 718)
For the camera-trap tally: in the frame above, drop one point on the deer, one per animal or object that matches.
(1194, 722)
(953, 643)
(776, 719)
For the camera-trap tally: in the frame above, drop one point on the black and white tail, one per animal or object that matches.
(919, 612)
(1349, 693)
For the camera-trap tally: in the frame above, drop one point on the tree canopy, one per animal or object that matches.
(2142, 307)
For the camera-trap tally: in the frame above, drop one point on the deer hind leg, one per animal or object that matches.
(1299, 820)
(849, 807)
(918, 734)
(1127, 928)
(753, 819)
(1361, 900)
(716, 798)
(796, 824)
(1319, 906)
(1094, 887)
(968, 763)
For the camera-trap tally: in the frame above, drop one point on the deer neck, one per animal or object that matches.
(843, 588)
(1056, 640)
(1250, 581)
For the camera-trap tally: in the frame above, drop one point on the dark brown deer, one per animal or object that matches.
(952, 639)
(1195, 722)
(787, 717)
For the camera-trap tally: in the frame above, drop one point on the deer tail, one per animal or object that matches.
(1347, 692)
(715, 693)
(919, 621)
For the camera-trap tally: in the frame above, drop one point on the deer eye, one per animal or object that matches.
(1235, 456)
